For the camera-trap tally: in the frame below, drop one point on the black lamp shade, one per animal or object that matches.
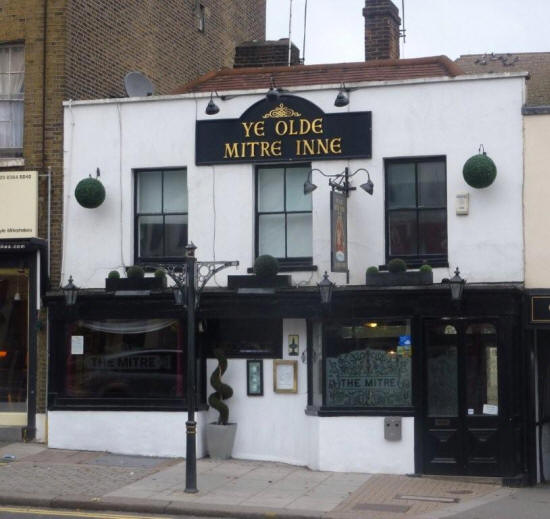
(325, 289)
(212, 108)
(309, 186)
(368, 186)
(341, 99)
(457, 286)
(70, 291)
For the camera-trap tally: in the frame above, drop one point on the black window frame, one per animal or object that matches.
(435, 260)
(286, 263)
(156, 259)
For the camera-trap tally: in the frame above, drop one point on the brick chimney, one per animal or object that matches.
(381, 29)
(266, 54)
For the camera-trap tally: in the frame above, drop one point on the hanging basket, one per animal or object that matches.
(90, 193)
(479, 171)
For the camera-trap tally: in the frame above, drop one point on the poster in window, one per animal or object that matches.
(338, 232)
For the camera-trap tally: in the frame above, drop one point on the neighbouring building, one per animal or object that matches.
(57, 50)
(395, 379)
(536, 121)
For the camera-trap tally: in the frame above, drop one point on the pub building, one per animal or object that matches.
(328, 168)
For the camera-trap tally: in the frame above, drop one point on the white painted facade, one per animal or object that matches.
(444, 117)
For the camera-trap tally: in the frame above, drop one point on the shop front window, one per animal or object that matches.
(368, 364)
(124, 359)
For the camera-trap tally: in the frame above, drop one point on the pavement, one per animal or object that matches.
(33, 475)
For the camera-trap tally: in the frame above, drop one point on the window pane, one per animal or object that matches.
(442, 366)
(299, 235)
(17, 59)
(432, 231)
(431, 184)
(150, 236)
(120, 364)
(401, 185)
(369, 364)
(481, 370)
(295, 198)
(16, 108)
(175, 191)
(403, 234)
(149, 192)
(175, 235)
(271, 235)
(271, 193)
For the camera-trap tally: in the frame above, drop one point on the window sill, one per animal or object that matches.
(119, 404)
(290, 268)
(11, 162)
(335, 411)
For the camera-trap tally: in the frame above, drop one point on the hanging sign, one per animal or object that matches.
(338, 232)
(288, 129)
(18, 204)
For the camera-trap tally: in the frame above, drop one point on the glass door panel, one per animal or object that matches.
(13, 339)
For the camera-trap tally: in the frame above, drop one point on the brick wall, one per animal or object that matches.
(381, 29)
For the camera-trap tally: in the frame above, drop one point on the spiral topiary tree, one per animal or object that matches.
(223, 391)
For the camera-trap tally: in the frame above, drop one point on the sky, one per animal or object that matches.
(335, 28)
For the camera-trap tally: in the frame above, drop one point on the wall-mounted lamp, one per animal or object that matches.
(340, 182)
(273, 92)
(211, 108)
(70, 291)
(325, 289)
(342, 98)
(456, 283)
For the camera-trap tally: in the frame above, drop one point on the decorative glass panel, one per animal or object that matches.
(175, 191)
(432, 231)
(403, 233)
(369, 364)
(149, 192)
(481, 370)
(295, 198)
(299, 235)
(175, 235)
(150, 238)
(431, 184)
(442, 371)
(272, 235)
(401, 185)
(271, 190)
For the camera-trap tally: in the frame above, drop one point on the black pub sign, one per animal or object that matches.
(288, 129)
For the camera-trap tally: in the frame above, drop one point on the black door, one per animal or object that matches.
(461, 414)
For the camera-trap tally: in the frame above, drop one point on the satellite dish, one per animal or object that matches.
(138, 85)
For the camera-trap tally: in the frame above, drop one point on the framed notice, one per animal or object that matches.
(18, 204)
(338, 232)
(255, 377)
(285, 376)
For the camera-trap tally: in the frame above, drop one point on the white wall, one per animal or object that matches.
(450, 118)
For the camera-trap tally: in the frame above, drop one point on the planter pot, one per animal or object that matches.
(388, 279)
(115, 284)
(220, 440)
(254, 281)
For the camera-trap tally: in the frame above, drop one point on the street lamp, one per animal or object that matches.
(70, 291)
(189, 280)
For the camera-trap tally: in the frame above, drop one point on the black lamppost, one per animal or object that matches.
(325, 289)
(457, 286)
(189, 280)
(70, 291)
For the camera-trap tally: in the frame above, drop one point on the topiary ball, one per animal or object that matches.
(90, 193)
(397, 265)
(135, 271)
(425, 268)
(479, 171)
(266, 266)
(160, 274)
(114, 274)
(372, 270)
